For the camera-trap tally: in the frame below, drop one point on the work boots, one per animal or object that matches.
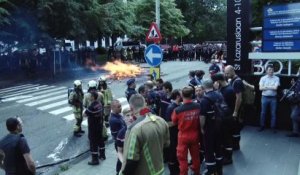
(174, 169)
(81, 131)
(219, 167)
(227, 160)
(102, 154)
(95, 160)
(77, 134)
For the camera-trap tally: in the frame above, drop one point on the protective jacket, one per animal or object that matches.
(144, 143)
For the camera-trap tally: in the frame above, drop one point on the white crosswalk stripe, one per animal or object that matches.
(39, 88)
(41, 96)
(6, 92)
(52, 105)
(61, 110)
(15, 87)
(50, 99)
(47, 100)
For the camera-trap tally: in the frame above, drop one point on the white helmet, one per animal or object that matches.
(92, 84)
(77, 83)
(102, 78)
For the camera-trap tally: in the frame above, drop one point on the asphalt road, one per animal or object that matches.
(47, 118)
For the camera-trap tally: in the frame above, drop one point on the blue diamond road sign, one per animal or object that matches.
(153, 55)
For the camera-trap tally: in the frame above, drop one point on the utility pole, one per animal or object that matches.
(157, 13)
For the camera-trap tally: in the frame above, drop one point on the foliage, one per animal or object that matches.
(205, 19)
(171, 18)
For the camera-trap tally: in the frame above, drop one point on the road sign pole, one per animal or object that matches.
(157, 16)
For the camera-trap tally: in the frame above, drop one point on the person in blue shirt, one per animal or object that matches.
(192, 81)
(131, 88)
(116, 123)
(214, 68)
(165, 100)
(199, 76)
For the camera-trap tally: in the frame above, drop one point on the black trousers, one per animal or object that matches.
(213, 142)
(119, 163)
(227, 131)
(96, 144)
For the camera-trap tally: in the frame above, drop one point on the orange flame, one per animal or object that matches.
(119, 70)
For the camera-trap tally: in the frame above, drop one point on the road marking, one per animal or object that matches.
(16, 89)
(122, 99)
(61, 110)
(16, 98)
(52, 105)
(58, 150)
(69, 117)
(41, 96)
(47, 100)
(125, 107)
(51, 90)
(30, 90)
(84, 123)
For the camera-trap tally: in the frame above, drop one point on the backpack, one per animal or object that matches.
(248, 95)
(70, 90)
(220, 107)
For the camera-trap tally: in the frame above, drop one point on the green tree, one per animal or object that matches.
(4, 14)
(171, 24)
(205, 19)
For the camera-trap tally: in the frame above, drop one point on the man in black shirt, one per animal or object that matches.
(238, 87)
(17, 158)
(211, 127)
(95, 124)
(228, 123)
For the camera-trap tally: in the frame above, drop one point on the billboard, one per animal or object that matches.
(281, 28)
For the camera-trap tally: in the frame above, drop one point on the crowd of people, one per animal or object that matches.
(184, 52)
(33, 62)
(163, 125)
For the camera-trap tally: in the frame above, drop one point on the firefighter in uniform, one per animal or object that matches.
(211, 130)
(87, 101)
(186, 117)
(75, 99)
(92, 87)
(145, 140)
(95, 123)
(131, 88)
(227, 124)
(107, 98)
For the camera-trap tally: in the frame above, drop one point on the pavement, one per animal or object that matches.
(262, 153)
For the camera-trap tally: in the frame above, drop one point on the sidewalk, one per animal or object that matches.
(262, 153)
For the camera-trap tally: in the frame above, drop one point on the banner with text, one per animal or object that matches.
(238, 24)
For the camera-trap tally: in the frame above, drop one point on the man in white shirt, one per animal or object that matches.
(268, 84)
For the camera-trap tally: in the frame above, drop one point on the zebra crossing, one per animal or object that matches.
(47, 98)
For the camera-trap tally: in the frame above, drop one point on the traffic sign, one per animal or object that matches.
(153, 55)
(153, 34)
(155, 72)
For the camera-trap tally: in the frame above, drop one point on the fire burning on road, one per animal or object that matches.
(117, 70)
